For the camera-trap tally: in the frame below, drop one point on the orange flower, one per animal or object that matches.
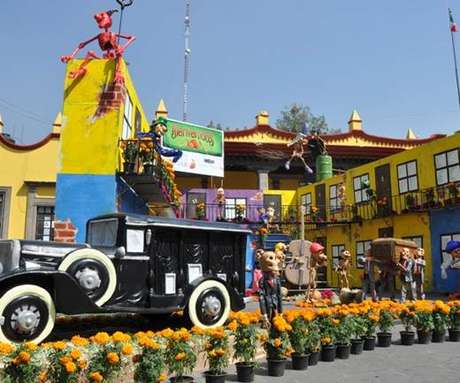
(163, 377)
(277, 342)
(43, 377)
(31, 346)
(79, 341)
(6, 348)
(113, 358)
(233, 325)
(75, 354)
(24, 357)
(70, 367)
(166, 333)
(119, 337)
(82, 364)
(96, 377)
(64, 360)
(127, 349)
(101, 338)
(180, 356)
(59, 345)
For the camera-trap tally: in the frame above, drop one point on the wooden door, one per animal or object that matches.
(383, 192)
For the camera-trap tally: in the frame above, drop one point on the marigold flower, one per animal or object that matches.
(70, 367)
(79, 341)
(96, 377)
(24, 357)
(127, 349)
(277, 342)
(180, 356)
(43, 377)
(6, 348)
(82, 363)
(64, 360)
(75, 354)
(233, 325)
(113, 358)
(101, 338)
(166, 333)
(59, 345)
(31, 346)
(163, 377)
(119, 337)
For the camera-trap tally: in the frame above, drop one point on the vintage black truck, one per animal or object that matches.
(130, 263)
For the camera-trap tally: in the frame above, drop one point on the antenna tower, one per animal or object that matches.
(187, 53)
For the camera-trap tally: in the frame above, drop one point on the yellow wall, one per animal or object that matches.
(240, 180)
(185, 183)
(20, 166)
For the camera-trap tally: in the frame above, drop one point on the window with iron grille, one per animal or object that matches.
(305, 200)
(360, 189)
(447, 167)
(230, 207)
(336, 251)
(334, 198)
(44, 224)
(407, 177)
(361, 248)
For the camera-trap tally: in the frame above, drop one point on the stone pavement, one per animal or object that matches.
(435, 362)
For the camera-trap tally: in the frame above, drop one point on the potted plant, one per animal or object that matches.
(200, 210)
(180, 354)
(440, 321)
(423, 321)
(246, 334)
(149, 363)
(385, 324)
(298, 337)
(343, 335)
(146, 154)
(358, 330)
(407, 317)
(277, 346)
(371, 319)
(327, 326)
(454, 321)
(217, 352)
(313, 342)
(129, 156)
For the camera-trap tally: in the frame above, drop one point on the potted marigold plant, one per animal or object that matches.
(180, 354)
(385, 324)
(149, 363)
(298, 338)
(66, 362)
(407, 316)
(440, 321)
(129, 156)
(343, 335)
(327, 326)
(277, 346)
(313, 343)
(246, 339)
(371, 320)
(454, 321)
(217, 353)
(423, 321)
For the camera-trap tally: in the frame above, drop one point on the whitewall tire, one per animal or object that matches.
(100, 269)
(28, 314)
(209, 304)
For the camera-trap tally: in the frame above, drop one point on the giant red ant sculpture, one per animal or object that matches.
(109, 44)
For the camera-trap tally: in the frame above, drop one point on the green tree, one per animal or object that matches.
(213, 125)
(294, 117)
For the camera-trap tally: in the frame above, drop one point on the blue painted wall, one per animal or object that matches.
(128, 200)
(445, 221)
(80, 197)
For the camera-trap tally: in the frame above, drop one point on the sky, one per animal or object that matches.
(391, 60)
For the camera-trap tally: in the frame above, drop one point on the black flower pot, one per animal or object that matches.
(328, 352)
(245, 372)
(148, 169)
(424, 337)
(384, 339)
(299, 361)
(313, 358)
(369, 343)
(438, 336)
(407, 338)
(454, 335)
(181, 379)
(214, 378)
(343, 351)
(276, 367)
(129, 167)
(357, 346)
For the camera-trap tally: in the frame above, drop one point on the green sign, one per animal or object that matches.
(193, 138)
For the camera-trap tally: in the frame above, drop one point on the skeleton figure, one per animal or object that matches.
(342, 269)
(318, 258)
(270, 300)
(298, 151)
(109, 44)
(406, 269)
(419, 272)
(280, 251)
(220, 200)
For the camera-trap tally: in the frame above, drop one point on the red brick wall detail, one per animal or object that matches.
(65, 231)
(113, 97)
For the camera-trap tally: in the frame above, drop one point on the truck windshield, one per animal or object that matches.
(103, 232)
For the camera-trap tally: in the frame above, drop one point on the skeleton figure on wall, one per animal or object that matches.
(270, 298)
(343, 268)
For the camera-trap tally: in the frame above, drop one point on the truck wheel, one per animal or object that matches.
(93, 271)
(28, 314)
(209, 304)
